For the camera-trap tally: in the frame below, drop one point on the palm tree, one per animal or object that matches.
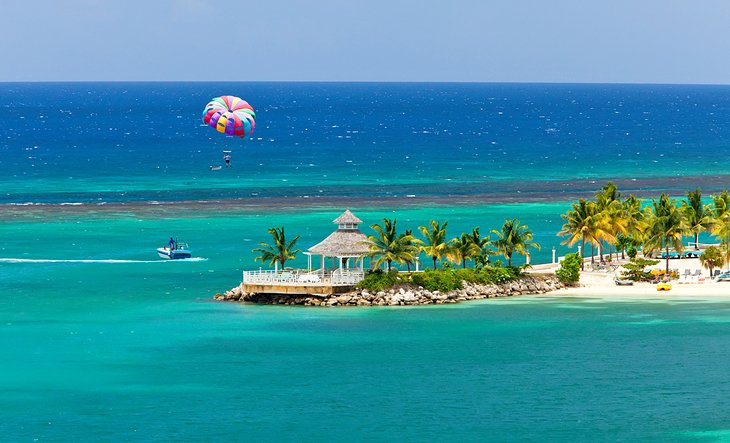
(609, 193)
(611, 220)
(667, 227)
(712, 258)
(514, 238)
(635, 218)
(721, 222)
(435, 245)
(579, 225)
(699, 216)
(412, 244)
(278, 252)
(390, 247)
(624, 242)
(483, 243)
(462, 249)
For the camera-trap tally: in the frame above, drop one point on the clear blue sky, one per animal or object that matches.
(626, 41)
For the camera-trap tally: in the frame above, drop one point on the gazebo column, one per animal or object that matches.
(309, 262)
(321, 268)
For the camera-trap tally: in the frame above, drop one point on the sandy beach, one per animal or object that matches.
(600, 284)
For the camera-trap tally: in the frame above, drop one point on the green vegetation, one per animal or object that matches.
(388, 246)
(437, 280)
(712, 258)
(434, 244)
(628, 224)
(569, 271)
(442, 280)
(514, 237)
(636, 270)
(721, 222)
(378, 280)
(610, 222)
(699, 216)
(278, 252)
(667, 226)
(632, 252)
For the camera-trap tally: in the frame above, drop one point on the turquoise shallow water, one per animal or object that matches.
(116, 365)
(138, 351)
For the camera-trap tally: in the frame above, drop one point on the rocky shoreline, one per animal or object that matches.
(405, 295)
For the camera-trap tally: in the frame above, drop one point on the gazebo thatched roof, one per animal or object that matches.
(344, 241)
(347, 217)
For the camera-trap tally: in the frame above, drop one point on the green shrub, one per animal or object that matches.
(437, 280)
(497, 275)
(378, 280)
(569, 271)
(635, 270)
(631, 252)
(489, 275)
(442, 280)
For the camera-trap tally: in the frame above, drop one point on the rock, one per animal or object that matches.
(344, 299)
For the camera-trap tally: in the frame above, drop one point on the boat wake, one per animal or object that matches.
(112, 261)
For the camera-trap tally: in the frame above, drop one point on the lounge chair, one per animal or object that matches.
(623, 282)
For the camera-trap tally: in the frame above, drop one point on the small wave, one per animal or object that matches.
(52, 260)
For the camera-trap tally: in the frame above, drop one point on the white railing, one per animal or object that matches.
(338, 277)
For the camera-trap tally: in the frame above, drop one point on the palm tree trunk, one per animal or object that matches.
(389, 261)
(593, 253)
(463, 263)
(667, 251)
(600, 252)
(434, 261)
(582, 254)
(697, 241)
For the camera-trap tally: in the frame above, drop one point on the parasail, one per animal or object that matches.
(230, 115)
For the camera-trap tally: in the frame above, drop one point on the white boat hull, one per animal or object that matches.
(174, 254)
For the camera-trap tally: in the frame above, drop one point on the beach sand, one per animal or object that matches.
(601, 285)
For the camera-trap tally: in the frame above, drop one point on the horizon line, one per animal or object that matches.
(445, 82)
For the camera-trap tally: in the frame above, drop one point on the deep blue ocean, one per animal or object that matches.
(102, 341)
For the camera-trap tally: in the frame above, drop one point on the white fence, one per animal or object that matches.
(338, 277)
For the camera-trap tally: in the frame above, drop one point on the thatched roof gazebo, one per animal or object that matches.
(345, 243)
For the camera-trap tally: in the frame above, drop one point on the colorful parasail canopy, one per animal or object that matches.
(230, 115)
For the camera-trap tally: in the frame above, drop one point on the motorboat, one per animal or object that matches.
(175, 251)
